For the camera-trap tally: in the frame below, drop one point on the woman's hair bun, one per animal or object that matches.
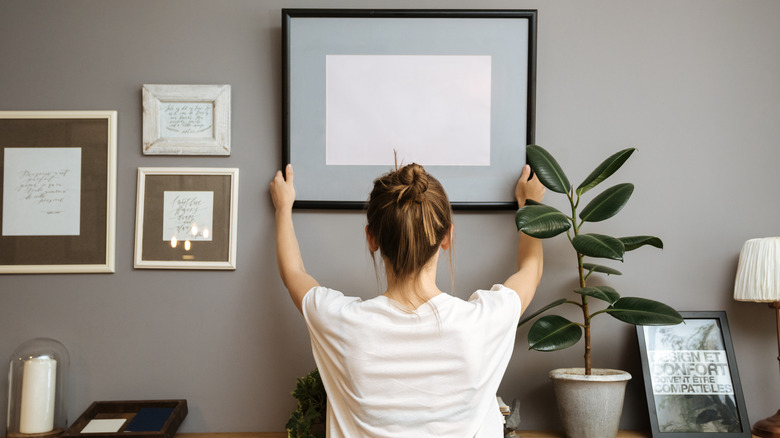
(413, 181)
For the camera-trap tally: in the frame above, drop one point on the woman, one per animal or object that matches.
(414, 361)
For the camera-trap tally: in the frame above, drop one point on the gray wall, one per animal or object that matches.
(693, 84)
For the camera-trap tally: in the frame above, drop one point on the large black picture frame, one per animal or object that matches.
(310, 36)
(692, 382)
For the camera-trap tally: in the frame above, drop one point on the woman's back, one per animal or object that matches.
(390, 372)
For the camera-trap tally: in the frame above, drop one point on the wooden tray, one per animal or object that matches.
(157, 419)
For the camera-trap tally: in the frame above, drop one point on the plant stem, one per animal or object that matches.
(585, 316)
(582, 278)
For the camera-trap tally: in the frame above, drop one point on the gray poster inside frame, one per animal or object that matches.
(506, 37)
(691, 378)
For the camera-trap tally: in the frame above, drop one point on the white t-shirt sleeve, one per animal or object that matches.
(323, 311)
(320, 299)
(321, 307)
(500, 301)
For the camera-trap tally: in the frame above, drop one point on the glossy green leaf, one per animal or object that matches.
(605, 170)
(547, 169)
(608, 203)
(541, 221)
(555, 303)
(633, 242)
(641, 311)
(553, 332)
(601, 269)
(603, 293)
(599, 245)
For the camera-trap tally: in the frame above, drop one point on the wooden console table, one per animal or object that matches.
(523, 434)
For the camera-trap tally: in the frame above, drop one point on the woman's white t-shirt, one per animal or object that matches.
(433, 372)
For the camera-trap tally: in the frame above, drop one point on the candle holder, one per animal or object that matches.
(37, 384)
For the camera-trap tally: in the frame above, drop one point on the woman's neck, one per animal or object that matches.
(415, 291)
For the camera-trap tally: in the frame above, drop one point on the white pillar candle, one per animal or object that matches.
(38, 385)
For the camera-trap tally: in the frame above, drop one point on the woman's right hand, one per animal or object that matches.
(528, 189)
(282, 190)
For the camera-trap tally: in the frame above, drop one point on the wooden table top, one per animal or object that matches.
(523, 434)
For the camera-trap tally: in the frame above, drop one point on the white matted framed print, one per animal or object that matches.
(452, 90)
(58, 191)
(186, 119)
(186, 218)
(691, 378)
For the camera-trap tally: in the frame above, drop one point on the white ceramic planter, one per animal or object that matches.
(590, 406)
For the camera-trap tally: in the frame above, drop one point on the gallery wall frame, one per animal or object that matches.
(58, 191)
(453, 90)
(186, 218)
(186, 119)
(691, 378)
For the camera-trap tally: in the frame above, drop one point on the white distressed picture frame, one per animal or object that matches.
(212, 102)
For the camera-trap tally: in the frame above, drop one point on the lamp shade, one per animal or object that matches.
(758, 272)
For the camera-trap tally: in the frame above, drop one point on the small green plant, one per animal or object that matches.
(308, 420)
(554, 332)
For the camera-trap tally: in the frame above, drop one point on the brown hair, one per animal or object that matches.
(409, 215)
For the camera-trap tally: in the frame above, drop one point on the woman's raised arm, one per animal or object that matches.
(530, 258)
(288, 253)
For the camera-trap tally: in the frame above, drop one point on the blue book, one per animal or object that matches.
(149, 420)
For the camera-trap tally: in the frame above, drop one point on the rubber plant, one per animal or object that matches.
(554, 332)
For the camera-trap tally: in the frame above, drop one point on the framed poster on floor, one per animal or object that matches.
(691, 378)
